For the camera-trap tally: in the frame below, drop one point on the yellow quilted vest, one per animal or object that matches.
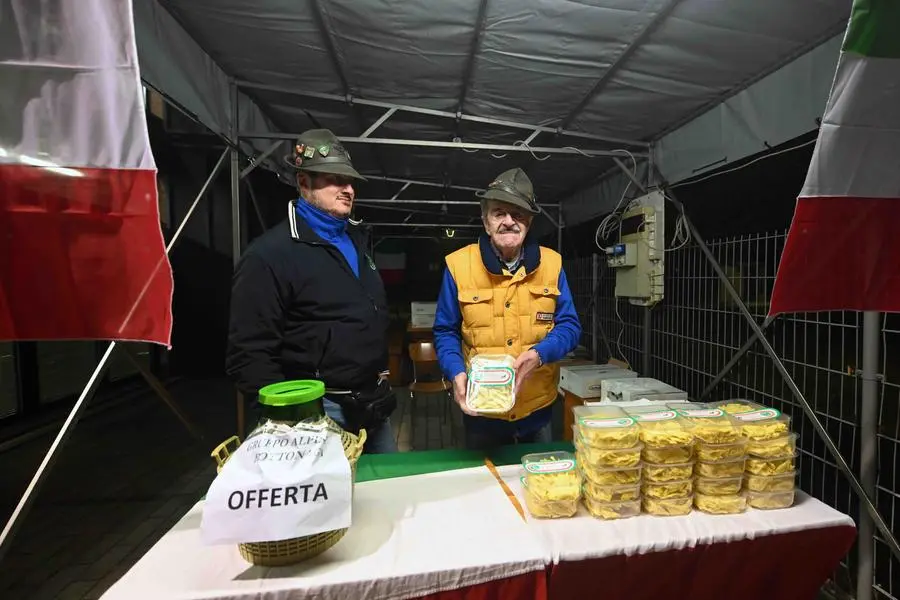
(508, 314)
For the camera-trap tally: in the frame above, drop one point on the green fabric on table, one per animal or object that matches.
(403, 464)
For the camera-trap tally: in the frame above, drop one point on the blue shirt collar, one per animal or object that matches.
(324, 225)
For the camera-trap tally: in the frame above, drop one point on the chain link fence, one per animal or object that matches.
(698, 328)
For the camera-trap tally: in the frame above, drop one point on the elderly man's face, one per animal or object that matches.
(507, 225)
(332, 194)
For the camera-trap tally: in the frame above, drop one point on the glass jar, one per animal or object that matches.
(290, 402)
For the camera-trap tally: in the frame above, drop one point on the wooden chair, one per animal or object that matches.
(428, 379)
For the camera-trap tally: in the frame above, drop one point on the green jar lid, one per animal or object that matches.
(291, 393)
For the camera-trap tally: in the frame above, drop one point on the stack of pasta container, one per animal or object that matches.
(608, 451)
(721, 455)
(668, 460)
(770, 472)
(552, 484)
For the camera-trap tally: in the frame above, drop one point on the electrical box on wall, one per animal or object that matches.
(638, 257)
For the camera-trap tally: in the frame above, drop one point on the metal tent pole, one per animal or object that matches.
(235, 178)
(734, 359)
(595, 307)
(646, 341)
(868, 447)
(24, 505)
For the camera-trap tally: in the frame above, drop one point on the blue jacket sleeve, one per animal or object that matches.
(447, 321)
(566, 332)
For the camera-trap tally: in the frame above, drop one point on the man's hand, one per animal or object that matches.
(460, 382)
(524, 366)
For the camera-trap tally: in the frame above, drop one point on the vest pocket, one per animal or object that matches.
(543, 304)
(477, 307)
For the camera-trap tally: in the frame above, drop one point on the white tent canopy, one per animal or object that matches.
(692, 82)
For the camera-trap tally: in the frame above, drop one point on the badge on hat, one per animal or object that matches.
(309, 152)
(324, 150)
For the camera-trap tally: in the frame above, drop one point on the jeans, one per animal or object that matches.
(379, 440)
(485, 434)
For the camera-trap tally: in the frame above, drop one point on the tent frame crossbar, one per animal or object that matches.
(351, 100)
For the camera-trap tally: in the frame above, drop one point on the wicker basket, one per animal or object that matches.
(294, 550)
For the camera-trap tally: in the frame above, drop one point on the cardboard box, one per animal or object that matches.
(585, 381)
(642, 390)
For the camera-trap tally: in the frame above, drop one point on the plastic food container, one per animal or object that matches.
(602, 457)
(662, 428)
(673, 472)
(552, 476)
(720, 505)
(786, 482)
(542, 508)
(670, 507)
(612, 510)
(719, 486)
(771, 500)
(723, 468)
(668, 489)
(611, 493)
(737, 406)
(606, 427)
(491, 382)
(612, 475)
(720, 452)
(770, 466)
(668, 454)
(780, 447)
(764, 424)
(710, 425)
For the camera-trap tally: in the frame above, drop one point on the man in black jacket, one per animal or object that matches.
(308, 303)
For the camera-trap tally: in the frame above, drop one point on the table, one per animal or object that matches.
(404, 543)
(407, 535)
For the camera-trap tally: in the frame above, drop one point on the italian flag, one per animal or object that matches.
(391, 261)
(843, 248)
(82, 251)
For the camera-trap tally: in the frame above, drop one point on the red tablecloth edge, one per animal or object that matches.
(528, 586)
(789, 566)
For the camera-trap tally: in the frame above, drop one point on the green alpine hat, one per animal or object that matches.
(512, 187)
(320, 151)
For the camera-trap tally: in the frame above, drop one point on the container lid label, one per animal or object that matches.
(493, 376)
(550, 466)
(603, 423)
(662, 415)
(702, 413)
(758, 415)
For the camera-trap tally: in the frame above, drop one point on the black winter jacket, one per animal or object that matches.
(299, 312)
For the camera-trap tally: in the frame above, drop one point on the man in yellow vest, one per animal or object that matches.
(507, 295)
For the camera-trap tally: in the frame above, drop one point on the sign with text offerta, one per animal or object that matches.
(283, 482)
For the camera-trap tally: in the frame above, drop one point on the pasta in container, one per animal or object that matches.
(552, 480)
(662, 429)
(606, 457)
(612, 510)
(668, 472)
(720, 452)
(734, 407)
(668, 489)
(720, 505)
(611, 493)
(780, 447)
(541, 506)
(784, 482)
(612, 475)
(725, 468)
(605, 427)
(669, 507)
(719, 486)
(770, 500)
(491, 383)
(770, 466)
(710, 425)
(764, 424)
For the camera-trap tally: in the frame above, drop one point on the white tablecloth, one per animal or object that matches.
(411, 536)
(584, 537)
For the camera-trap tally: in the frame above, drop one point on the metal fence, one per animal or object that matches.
(697, 329)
